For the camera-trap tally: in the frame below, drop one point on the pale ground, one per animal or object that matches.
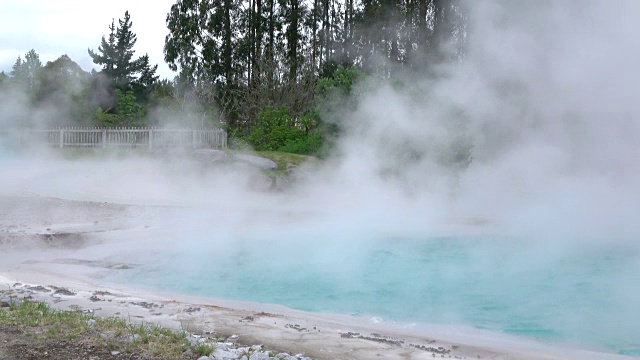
(59, 244)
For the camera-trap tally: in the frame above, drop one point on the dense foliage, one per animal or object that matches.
(277, 74)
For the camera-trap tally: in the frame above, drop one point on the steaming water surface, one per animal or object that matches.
(584, 295)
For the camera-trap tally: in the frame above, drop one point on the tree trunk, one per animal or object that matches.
(325, 29)
(227, 43)
(441, 23)
(314, 33)
(292, 40)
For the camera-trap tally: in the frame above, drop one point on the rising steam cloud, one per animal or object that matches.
(535, 132)
(532, 135)
(544, 102)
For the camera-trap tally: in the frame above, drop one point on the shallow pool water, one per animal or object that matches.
(581, 293)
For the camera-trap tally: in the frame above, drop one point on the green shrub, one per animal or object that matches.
(310, 144)
(125, 112)
(274, 130)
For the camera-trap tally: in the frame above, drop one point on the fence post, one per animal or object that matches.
(150, 138)
(193, 138)
(61, 137)
(104, 138)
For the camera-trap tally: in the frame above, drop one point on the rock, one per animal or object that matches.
(5, 302)
(256, 348)
(115, 353)
(219, 354)
(195, 340)
(63, 291)
(255, 161)
(259, 356)
(91, 322)
(204, 358)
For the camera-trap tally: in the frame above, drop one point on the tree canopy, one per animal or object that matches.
(115, 55)
(25, 72)
(253, 66)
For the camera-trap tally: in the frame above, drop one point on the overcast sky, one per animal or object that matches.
(54, 28)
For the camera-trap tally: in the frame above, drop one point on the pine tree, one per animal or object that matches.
(25, 73)
(115, 55)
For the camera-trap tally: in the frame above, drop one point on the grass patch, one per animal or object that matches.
(37, 320)
(282, 159)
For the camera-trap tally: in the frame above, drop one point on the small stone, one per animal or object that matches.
(91, 322)
(220, 354)
(195, 340)
(204, 358)
(259, 356)
(115, 353)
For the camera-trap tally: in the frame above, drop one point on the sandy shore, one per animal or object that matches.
(51, 250)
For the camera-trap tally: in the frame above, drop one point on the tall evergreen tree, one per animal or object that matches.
(115, 55)
(3, 78)
(25, 72)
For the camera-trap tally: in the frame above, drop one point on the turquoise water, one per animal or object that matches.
(585, 294)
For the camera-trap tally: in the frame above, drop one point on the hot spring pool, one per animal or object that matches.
(584, 294)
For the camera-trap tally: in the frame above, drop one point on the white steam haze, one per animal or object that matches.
(546, 95)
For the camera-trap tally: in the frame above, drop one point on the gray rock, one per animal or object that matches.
(91, 322)
(5, 302)
(255, 161)
(195, 340)
(204, 358)
(256, 348)
(115, 353)
(219, 354)
(259, 356)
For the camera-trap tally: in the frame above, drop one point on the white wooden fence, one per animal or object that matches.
(151, 138)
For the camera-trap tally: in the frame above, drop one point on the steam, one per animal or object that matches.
(543, 100)
(536, 128)
(533, 135)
